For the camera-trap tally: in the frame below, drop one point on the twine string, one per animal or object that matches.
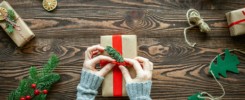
(194, 19)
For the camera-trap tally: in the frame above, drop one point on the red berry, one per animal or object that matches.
(45, 91)
(33, 86)
(28, 97)
(36, 92)
(22, 98)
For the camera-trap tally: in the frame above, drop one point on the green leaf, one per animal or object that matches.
(229, 63)
(11, 15)
(195, 97)
(9, 28)
(114, 54)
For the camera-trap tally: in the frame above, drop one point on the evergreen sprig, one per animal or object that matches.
(43, 78)
(11, 17)
(114, 54)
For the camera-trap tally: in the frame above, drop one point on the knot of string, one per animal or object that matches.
(194, 19)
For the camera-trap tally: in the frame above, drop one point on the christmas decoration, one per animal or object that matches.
(114, 54)
(117, 46)
(33, 86)
(195, 97)
(229, 63)
(236, 20)
(49, 5)
(10, 19)
(37, 81)
(12, 24)
(194, 19)
(28, 97)
(45, 91)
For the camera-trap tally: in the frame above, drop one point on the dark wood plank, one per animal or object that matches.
(179, 70)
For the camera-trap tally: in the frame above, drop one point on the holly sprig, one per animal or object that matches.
(37, 84)
(114, 54)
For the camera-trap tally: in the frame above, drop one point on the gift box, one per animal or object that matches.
(236, 22)
(126, 45)
(21, 36)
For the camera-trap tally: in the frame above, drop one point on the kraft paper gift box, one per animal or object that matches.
(114, 83)
(22, 36)
(236, 22)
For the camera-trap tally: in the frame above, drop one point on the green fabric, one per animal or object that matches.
(229, 63)
(195, 97)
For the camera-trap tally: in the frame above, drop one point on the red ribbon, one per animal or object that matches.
(237, 22)
(103, 63)
(117, 74)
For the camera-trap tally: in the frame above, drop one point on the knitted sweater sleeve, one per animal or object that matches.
(139, 91)
(88, 86)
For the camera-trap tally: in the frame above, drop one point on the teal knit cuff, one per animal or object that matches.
(88, 86)
(139, 91)
(90, 80)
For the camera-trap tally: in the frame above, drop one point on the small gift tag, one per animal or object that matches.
(13, 25)
(236, 22)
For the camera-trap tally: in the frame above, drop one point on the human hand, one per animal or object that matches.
(90, 62)
(142, 74)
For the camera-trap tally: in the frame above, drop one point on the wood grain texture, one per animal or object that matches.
(179, 70)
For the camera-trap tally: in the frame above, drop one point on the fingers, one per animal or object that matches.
(88, 52)
(147, 65)
(101, 57)
(135, 64)
(125, 73)
(106, 69)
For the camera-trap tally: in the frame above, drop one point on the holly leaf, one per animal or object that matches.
(195, 97)
(229, 63)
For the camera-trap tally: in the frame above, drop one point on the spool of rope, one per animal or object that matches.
(194, 19)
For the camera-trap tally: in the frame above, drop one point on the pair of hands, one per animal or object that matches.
(142, 74)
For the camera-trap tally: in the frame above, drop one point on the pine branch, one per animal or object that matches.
(46, 81)
(11, 17)
(114, 54)
(52, 63)
(33, 73)
(43, 80)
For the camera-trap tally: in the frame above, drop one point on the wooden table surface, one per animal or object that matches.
(179, 70)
